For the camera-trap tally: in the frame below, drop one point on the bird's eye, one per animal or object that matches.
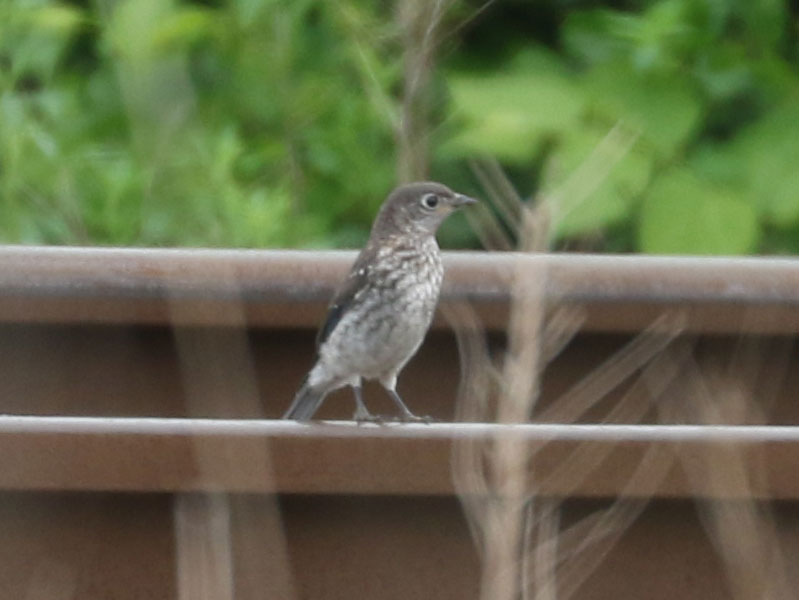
(430, 201)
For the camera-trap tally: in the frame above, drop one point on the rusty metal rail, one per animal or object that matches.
(138, 458)
(290, 288)
(247, 456)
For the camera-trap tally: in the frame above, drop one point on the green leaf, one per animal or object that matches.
(184, 26)
(57, 18)
(655, 39)
(663, 107)
(508, 114)
(600, 35)
(767, 153)
(583, 163)
(765, 20)
(33, 40)
(664, 35)
(248, 11)
(686, 215)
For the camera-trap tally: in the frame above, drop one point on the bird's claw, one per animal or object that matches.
(361, 418)
(412, 418)
(367, 417)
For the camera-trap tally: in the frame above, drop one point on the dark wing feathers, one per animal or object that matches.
(334, 313)
(342, 300)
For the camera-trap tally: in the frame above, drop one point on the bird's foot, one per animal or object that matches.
(366, 417)
(412, 418)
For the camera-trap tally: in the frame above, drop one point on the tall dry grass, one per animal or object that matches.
(526, 549)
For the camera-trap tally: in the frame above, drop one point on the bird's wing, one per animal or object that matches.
(356, 280)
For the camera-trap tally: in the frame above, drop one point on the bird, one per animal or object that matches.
(382, 310)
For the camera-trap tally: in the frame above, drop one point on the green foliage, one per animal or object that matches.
(509, 113)
(162, 123)
(684, 214)
(670, 124)
(613, 196)
(707, 91)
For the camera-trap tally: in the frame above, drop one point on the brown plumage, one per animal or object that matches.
(383, 309)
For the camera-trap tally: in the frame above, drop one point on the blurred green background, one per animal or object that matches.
(667, 126)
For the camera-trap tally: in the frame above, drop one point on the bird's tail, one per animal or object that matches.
(306, 402)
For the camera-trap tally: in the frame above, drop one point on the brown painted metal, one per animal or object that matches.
(242, 456)
(182, 499)
(122, 546)
(290, 288)
(235, 372)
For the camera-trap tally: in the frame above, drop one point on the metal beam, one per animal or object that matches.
(169, 455)
(281, 288)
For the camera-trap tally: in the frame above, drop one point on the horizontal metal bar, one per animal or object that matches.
(749, 434)
(155, 455)
(280, 288)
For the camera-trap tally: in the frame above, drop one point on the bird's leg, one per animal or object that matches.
(407, 415)
(362, 414)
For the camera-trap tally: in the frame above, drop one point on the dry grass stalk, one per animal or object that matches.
(525, 550)
(508, 461)
(419, 22)
(219, 377)
(742, 529)
(592, 172)
(615, 370)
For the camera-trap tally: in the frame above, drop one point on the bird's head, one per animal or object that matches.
(418, 208)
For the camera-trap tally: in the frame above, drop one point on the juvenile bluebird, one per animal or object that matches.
(383, 309)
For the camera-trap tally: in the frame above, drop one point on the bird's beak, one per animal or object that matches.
(461, 200)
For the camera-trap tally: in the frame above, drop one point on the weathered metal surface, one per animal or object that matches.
(234, 372)
(179, 455)
(290, 288)
(185, 500)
